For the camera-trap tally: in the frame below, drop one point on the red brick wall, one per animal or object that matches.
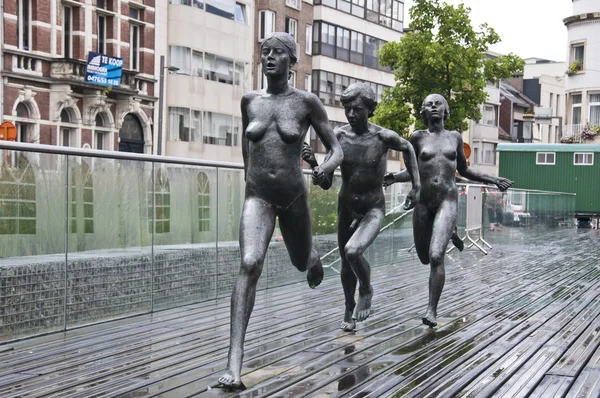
(86, 137)
(506, 115)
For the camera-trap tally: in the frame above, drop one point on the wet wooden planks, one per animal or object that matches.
(521, 321)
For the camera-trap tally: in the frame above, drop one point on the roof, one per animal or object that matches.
(548, 148)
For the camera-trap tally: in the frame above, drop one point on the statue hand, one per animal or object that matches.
(411, 199)
(388, 179)
(318, 176)
(503, 184)
(308, 155)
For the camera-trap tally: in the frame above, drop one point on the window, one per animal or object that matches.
(291, 27)
(82, 199)
(203, 203)
(578, 53)
(583, 158)
(162, 203)
(327, 42)
(489, 115)
(218, 69)
(292, 79)
(101, 4)
(475, 155)
(218, 129)
(180, 58)
(266, 24)
(545, 158)
(197, 63)
(179, 124)
(240, 12)
(67, 132)
(24, 24)
(101, 33)
(576, 109)
(489, 153)
(594, 109)
(134, 42)
(101, 136)
(293, 3)
(342, 50)
(222, 8)
(134, 13)
(67, 32)
(18, 198)
(308, 47)
(356, 48)
(307, 82)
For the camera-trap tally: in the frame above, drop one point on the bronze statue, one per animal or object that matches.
(275, 121)
(439, 154)
(361, 204)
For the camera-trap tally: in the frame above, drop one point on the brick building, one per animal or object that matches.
(45, 49)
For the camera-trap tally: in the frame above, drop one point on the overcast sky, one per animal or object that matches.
(528, 28)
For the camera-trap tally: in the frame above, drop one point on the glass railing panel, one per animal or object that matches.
(32, 243)
(186, 204)
(109, 241)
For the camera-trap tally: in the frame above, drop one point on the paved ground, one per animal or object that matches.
(522, 321)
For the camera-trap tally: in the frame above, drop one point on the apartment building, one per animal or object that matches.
(45, 94)
(582, 83)
(208, 50)
(347, 36)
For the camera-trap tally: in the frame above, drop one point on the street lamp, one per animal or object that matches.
(160, 99)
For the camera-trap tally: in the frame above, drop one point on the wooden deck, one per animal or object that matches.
(522, 321)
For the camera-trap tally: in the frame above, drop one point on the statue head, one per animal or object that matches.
(278, 54)
(435, 106)
(359, 102)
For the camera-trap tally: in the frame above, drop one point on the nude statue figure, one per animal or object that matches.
(440, 154)
(275, 121)
(361, 203)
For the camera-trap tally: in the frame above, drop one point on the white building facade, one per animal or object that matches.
(583, 77)
(210, 43)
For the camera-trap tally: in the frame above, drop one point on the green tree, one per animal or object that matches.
(441, 54)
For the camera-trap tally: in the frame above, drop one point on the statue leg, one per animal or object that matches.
(296, 230)
(256, 230)
(347, 275)
(363, 236)
(422, 229)
(443, 227)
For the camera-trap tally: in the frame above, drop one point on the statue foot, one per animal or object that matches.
(348, 326)
(363, 305)
(314, 276)
(457, 242)
(231, 382)
(429, 319)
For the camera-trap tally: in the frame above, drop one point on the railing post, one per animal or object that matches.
(217, 238)
(66, 240)
(152, 237)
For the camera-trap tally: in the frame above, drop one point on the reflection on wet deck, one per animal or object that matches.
(522, 321)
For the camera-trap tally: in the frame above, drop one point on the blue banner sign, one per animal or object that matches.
(103, 70)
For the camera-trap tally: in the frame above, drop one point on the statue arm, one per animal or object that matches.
(309, 157)
(320, 122)
(464, 170)
(411, 173)
(245, 143)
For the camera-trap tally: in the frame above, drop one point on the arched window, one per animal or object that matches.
(162, 203)
(82, 199)
(101, 133)
(203, 203)
(67, 133)
(17, 198)
(24, 130)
